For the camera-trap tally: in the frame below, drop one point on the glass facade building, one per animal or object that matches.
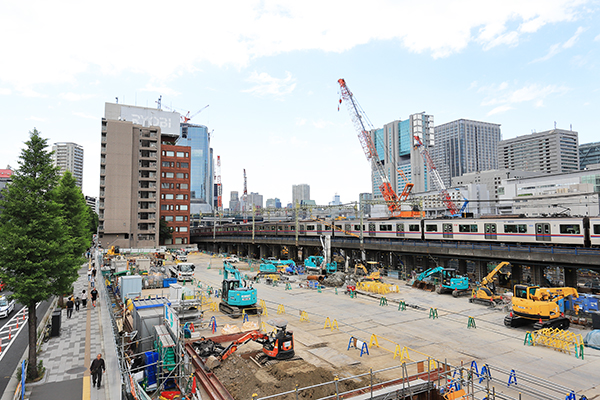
(201, 166)
(589, 154)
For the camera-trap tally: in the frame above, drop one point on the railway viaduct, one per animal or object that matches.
(401, 257)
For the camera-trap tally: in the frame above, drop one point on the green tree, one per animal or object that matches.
(93, 221)
(164, 231)
(34, 243)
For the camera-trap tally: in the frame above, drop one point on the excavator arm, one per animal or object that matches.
(490, 276)
(232, 348)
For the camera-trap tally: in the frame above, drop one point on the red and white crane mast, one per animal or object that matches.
(359, 118)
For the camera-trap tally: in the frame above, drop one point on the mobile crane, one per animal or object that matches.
(533, 303)
(236, 295)
(486, 292)
(277, 345)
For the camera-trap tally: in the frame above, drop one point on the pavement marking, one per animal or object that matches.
(88, 342)
(86, 388)
(6, 330)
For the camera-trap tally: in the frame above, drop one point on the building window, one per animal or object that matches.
(163, 207)
(164, 185)
(187, 154)
(183, 207)
(183, 229)
(179, 197)
(169, 218)
(179, 218)
(180, 154)
(169, 175)
(185, 165)
(169, 196)
(178, 241)
(170, 153)
(183, 186)
(180, 175)
(165, 163)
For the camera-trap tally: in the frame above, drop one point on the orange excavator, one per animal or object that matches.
(278, 345)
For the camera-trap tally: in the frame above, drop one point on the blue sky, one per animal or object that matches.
(268, 71)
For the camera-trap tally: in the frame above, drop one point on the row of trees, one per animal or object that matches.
(45, 229)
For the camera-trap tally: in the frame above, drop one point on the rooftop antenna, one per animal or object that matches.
(159, 102)
(571, 127)
(117, 100)
(554, 124)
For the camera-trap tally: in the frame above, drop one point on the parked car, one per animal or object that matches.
(6, 306)
(232, 259)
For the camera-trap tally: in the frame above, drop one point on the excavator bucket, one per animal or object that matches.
(212, 362)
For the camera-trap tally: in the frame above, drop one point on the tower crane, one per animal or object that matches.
(187, 116)
(437, 179)
(359, 118)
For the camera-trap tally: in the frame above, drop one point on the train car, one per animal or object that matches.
(594, 231)
(313, 228)
(389, 228)
(564, 231)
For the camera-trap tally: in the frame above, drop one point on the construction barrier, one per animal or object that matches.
(333, 325)
(471, 323)
(263, 305)
(280, 309)
(383, 301)
(433, 313)
(377, 287)
(402, 306)
(558, 339)
(288, 286)
(304, 316)
(358, 344)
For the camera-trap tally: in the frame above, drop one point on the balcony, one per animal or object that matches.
(148, 154)
(147, 175)
(148, 144)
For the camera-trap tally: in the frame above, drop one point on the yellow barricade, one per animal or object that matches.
(558, 339)
(281, 309)
(304, 316)
(333, 325)
(377, 287)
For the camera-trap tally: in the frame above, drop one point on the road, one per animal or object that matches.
(11, 353)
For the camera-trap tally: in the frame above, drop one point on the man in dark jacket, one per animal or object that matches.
(97, 369)
(70, 305)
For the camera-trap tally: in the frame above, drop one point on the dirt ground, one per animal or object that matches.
(242, 377)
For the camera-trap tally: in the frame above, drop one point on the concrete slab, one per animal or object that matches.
(333, 357)
(65, 390)
(305, 338)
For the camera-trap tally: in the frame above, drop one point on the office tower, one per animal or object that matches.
(68, 156)
(273, 203)
(589, 154)
(255, 199)
(336, 200)
(549, 152)
(365, 208)
(396, 148)
(300, 193)
(130, 168)
(175, 191)
(197, 138)
(464, 146)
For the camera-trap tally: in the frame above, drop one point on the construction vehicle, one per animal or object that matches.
(277, 345)
(318, 264)
(486, 291)
(423, 280)
(373, 275)
(183, 271)
(236, 295)
(113, 251)
(539, 305)
(451, 282)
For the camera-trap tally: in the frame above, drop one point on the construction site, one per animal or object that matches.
(229, 328)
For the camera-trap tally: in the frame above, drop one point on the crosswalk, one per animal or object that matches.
(10, 330)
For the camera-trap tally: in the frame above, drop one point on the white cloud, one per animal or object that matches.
(300, 121)
(597, 38)
(5, 91)
(62, 42)
(266, 85)
(160, 88)
(320, 124)
(75, 96)
(558, 47)
(40, 119)
(504, 98)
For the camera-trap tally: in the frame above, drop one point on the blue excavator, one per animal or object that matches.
(237, 294)
(449, 281)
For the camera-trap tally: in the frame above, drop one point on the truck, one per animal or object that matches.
(182, 271)
(6, 306)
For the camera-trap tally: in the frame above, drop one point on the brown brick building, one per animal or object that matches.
(175, 191)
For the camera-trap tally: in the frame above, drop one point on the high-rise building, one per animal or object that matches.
(464, 146)
(550, 152)
(273, 203)
(396, 147)
(68, 156)
(300, 193)
(589, 154)
(365, 208)
(175, 191)
(130, 168)
(336, 200)
(197, 138)
(255, 199)
(92, 202)
(234, 202)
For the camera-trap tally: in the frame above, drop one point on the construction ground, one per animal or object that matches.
(403, 326)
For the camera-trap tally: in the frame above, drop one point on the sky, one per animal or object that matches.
(268, 71)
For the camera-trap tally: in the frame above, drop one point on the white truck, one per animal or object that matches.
(6, 306)
(182, 271)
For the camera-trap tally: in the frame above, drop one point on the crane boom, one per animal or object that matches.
(359, 118)
(437, 179)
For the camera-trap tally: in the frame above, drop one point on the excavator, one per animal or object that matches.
(236, 294)
(374, 275)
(277, 345)
(486, 291)
(422, 281)
(534, 303)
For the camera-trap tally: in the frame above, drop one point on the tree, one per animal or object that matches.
(93, 222)
(164, 231)
(35, 246)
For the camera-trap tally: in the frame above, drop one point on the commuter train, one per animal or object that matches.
(565, 231)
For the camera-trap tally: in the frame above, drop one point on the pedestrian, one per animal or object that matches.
(70, 307)
(83, 298)
(89, 274)
(92, 281)
(77, 302)
(97, 369)
(94, 294)
(93, 271)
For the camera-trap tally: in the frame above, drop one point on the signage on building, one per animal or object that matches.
(172, 320)
(167, 121)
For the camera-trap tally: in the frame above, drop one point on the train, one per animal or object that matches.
(560, 231)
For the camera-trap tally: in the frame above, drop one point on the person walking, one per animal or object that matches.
(92, 280)
(94, 294)
(84, 298)
(77, 302)
(70, 305)
(97, 369)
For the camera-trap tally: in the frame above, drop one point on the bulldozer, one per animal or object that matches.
(534, 304)
(485, 293)
(277, 345)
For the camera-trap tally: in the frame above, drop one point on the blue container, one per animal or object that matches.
(168, 281)
(150, 370)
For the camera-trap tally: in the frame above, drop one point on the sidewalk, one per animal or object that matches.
(67, 358)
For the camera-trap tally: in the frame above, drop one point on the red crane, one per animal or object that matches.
(359, 118)
(444, 195)
(187, 116)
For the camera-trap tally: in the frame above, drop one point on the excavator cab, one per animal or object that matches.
(280, 345)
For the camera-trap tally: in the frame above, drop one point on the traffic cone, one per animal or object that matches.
(541, 320)
(511, 314)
